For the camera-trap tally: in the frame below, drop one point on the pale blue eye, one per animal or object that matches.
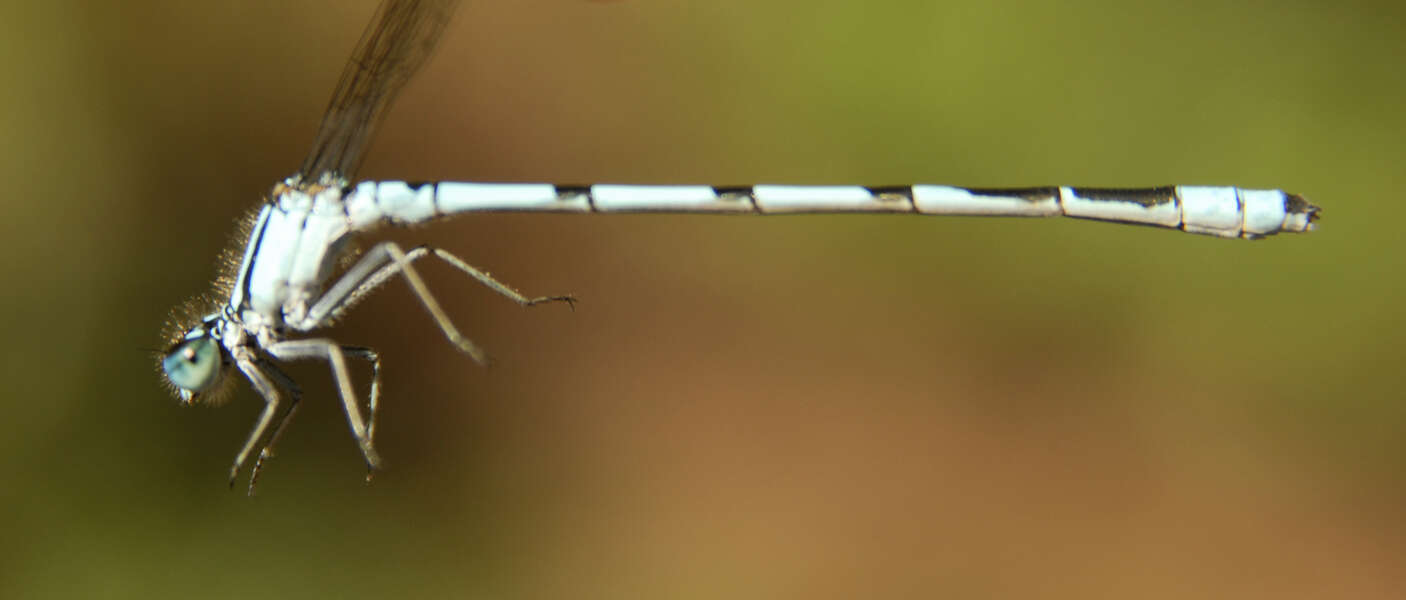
(194, 365)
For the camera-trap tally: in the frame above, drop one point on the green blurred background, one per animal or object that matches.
(838, 406)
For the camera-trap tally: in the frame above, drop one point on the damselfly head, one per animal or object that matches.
(194, 367)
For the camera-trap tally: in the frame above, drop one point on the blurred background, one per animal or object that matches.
(801, 407)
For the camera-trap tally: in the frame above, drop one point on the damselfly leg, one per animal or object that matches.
(386, 260)
(295, 396)
(266, 388)
(330, 351)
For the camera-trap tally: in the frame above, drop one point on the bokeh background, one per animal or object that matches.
(805, 407)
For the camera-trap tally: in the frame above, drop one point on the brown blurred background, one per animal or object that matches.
(800, 407)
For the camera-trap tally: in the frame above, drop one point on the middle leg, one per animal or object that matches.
(331, 352)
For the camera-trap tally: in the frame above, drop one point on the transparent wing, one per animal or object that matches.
(399, 40)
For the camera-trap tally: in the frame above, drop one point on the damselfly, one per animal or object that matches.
(274, 288)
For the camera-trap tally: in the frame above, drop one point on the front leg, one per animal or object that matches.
(295, 395)
(261, 384)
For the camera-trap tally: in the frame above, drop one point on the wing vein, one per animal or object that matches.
(399, 40)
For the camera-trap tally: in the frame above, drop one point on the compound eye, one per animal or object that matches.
(193, 366)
